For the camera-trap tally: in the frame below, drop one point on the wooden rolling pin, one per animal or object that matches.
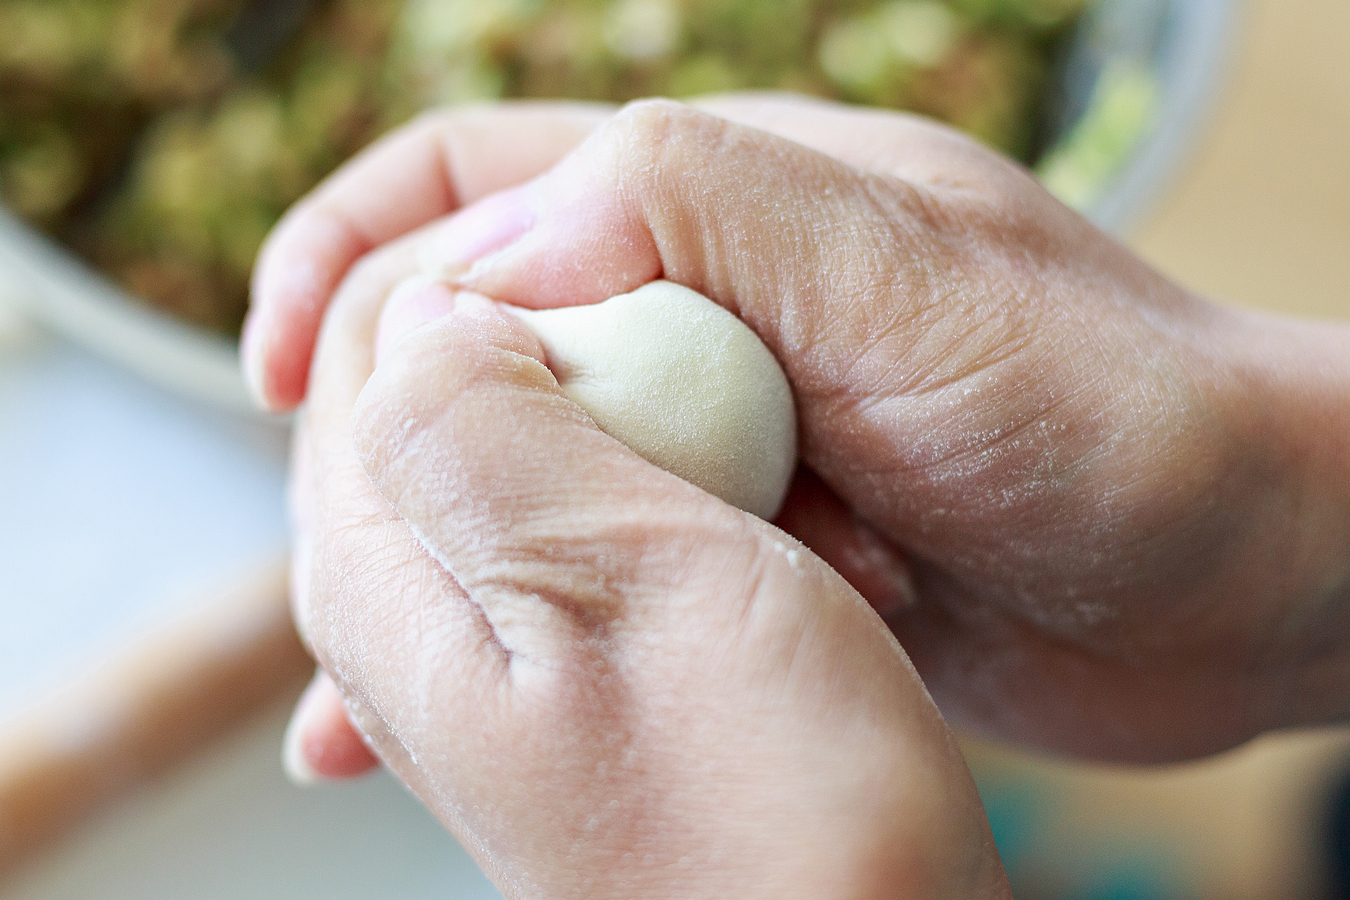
(132, 717)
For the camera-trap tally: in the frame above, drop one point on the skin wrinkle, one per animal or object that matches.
(359, 240)
(1042, 598)
(493, 639)
(977, 449)
(982, 450)
(909, 211)
(937, 309)
(446, 145)
(752, 579)
(375, 562)
(983, 356)
(512, 563)
(374, 618)
(438, 668)
(700, 237)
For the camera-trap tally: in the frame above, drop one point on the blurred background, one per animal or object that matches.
(146, 146)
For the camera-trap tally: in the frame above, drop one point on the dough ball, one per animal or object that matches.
(684, 384)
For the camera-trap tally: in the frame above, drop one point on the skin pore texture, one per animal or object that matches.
(1125, 510)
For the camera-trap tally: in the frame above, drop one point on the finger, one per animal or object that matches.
(462, 374)
(403, 181)
(876, 568)
(757, 222)
(903, 313)
(378, 610)
(662, 187)
(321, 742)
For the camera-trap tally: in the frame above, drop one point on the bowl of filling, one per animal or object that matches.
(147, 146)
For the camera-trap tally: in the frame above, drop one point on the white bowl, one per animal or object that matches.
(56, 288)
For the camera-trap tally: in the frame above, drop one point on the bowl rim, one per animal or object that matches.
(56, 288)
(1195, 68)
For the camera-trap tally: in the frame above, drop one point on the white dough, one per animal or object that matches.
(684, 384)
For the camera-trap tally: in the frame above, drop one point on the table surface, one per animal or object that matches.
(228, 826)
(1260, 217)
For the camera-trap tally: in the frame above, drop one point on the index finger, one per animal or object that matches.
(431, 167)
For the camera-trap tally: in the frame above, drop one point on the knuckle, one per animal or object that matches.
(654, 118)
(650, 138)
(436, 386)
(396, 401)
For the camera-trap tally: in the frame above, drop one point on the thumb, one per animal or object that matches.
(747, 218)
(871, 290)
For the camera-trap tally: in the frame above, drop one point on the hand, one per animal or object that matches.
(606, 682)
(1127, 508)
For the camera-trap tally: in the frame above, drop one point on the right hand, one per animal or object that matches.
(1127, 543)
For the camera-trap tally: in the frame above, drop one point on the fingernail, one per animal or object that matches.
(475, 232)
(412, 302)
(418, 300)
(251, 360)
(322, 743)
(294, 755)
